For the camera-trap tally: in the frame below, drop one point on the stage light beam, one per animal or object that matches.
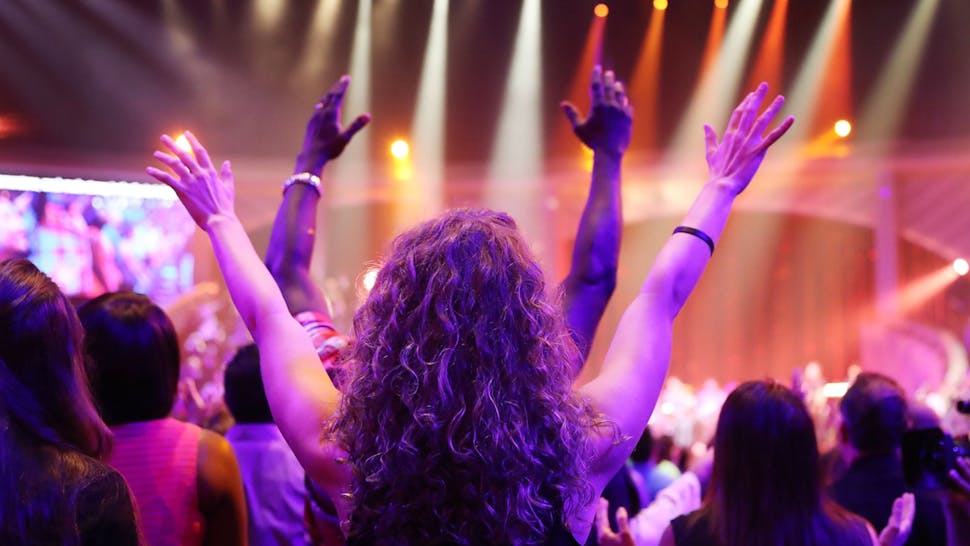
(721, 4)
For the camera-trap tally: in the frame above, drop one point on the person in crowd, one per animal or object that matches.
(651, 465)
(271, 475)
(874, 418)
(765, 484)
(185, 479)
(586, 289)
(646, 527)
(54, 489)
(458, 421)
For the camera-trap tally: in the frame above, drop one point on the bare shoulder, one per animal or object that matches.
(218, 470)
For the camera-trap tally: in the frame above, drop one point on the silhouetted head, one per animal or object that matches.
(874, 413)
(245, 395)
(132, 357)
(766, 483)
(458, 415)
(43, 388)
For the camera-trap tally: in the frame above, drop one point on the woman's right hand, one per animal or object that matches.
(207, 195)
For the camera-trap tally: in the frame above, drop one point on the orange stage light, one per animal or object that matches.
(721, 4)
(842, 128)
(601, 10)
(660, 4)
(400, 149)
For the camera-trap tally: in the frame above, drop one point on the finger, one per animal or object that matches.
(596, 86)
(186, 157)
(908, 512)
(751, 111)
(765, 118)
(359, 123)
(963, 463)
(571, 114)
(162, 176)
(201, 154)
(960, 481)
(339, 89)
(609, 92)
(623, 520)
(226, 172)
(775, 135)
(737, 113)
(710, 140)
(619, 95)
(603, 518)
(173, 163)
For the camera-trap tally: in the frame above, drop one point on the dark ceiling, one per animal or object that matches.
(106, 76)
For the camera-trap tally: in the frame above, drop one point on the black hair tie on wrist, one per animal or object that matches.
(696, 233)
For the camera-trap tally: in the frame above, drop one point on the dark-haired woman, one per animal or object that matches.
(458, 422)
(54, 490)
(186, 480)
(766, 485)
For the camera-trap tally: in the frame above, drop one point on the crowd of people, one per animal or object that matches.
(452, 414)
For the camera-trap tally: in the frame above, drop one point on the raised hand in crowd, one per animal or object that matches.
(591, 280)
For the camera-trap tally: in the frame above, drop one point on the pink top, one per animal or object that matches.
(159, 461)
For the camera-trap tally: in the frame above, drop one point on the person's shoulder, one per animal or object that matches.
(105, 510)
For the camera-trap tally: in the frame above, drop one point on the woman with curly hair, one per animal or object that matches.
(54, 490)
(458, 422)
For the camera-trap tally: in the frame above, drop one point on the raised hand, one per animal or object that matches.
(900, 523)
(734, 160)
(605, 535)
(607, 129)
(206, 194)
(325, 139)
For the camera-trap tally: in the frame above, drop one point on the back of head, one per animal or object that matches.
(245, 395)
(132, 357)
(47, 418)
(458, 416)
(874, 413)
(43, 389)
(765, 486)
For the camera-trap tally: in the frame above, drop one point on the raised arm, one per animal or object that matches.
(294, 229)
(596, 252)
(299, 391)
(633, 372)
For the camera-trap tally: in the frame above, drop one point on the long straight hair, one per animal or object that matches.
(47, 417)
(766, 487)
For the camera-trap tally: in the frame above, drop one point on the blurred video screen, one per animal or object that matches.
(93, 237)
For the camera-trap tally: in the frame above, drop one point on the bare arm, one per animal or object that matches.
(300, 393)
(632, 374)
(596, 252)
(294, 229)
(222, 500)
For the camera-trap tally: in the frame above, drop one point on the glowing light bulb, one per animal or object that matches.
(660, 4)
(843, 128)
(961, 266)
(370, 277)
(400, 149)
(182, 143)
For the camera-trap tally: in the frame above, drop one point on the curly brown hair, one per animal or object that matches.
(459, 418)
